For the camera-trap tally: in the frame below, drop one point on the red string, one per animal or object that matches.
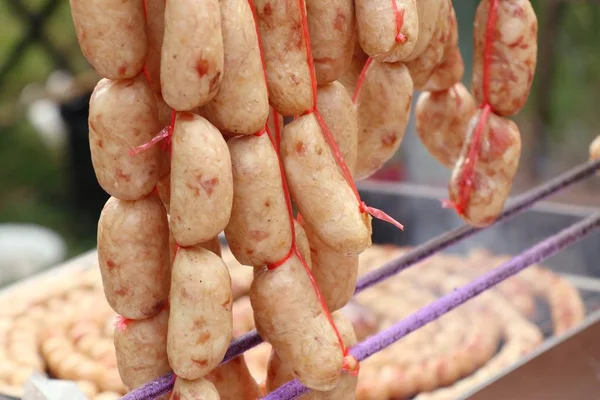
(466, 180)
(399, 14)
(361, 79)
(121, 323)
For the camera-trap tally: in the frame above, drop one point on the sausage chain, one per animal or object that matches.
(482, 146)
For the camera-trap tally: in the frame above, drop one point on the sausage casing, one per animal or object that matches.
(442, 119)
(383, 108)
(427, 11)
(200, 322)
(288, 315)
(141, 348)
(334, 272)
(332, 25)
(452, 67)
(198, 389)
(339, 113)
(192, 53)
(201, 181)
(284, 50)
(111, 35)
(279, 373)
(155, 19)
(513, 59)
(241, 105)
(133, 254)
(377, 25)
(495, 168)
(422, 68)
(259, 230)
(122, 116)
(233, 381)
(322, 195)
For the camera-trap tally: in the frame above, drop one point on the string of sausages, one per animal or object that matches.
(211, 78)
(250, 340)
(481, 145)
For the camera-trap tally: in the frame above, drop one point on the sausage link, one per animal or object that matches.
(155, 19)
(595, 150)
(192, 53)
(133, 254)
(377, 26)
(339, 113)
(349, 79)
(334, 272)
(331, 24)
(495, 168)
(141, 348)
(259, 231)
(452, 67)
(278, 373)
(241, 105)
(302, 243)
(290, 318)
(111, 35)
(233, 381)
(427, 25)
(513, 58)
(284, 50)
(200, 322)
(422, 68)
(122, 116)
(442, 119)
(203, 389)
(383, 108)
(201, 181)
(322, 195)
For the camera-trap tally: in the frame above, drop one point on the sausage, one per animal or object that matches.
(122, 116)
(285, 55)
(331, 25)
(192, 53)
(141, 348)
(377, 24)
(290, 318)
(111, 35)
(241, 105)
(233, 381)
(339, 114)
(442, 119)
(494, 170)
(200, 322)
(383, 108)
(279, 373)
(133, 254)
(422, 68)
(513, 56)
(334, 272)
(322, 195)
(425, 9)
(201, 181)
(350, 78)
(595, 150)
(203, 389)
(452, 67)
(155, 20)
(259, 230)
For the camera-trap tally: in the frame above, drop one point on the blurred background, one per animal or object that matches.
(49, 198)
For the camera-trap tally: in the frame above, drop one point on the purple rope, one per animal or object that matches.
(521, 203)
(425, 315)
